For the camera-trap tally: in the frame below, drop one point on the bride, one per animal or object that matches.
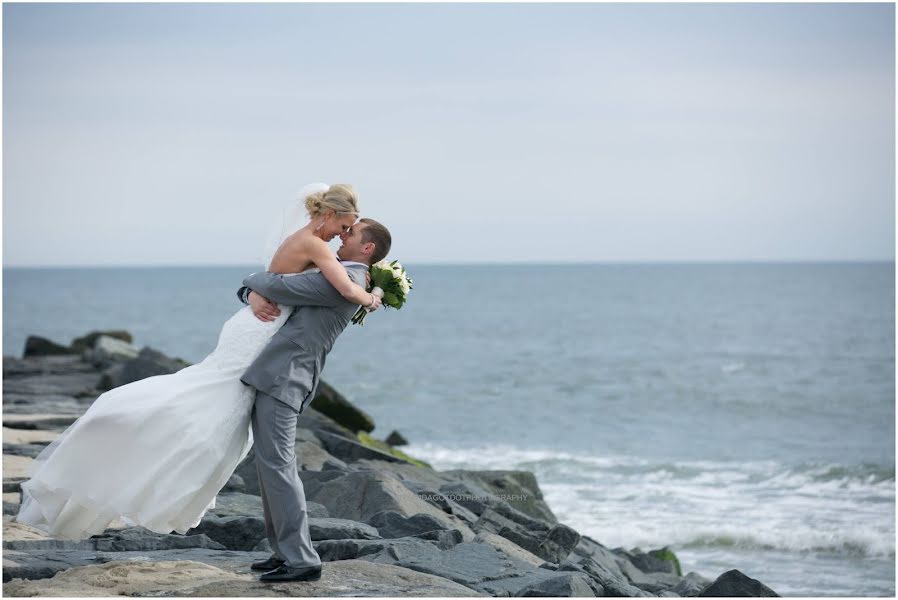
(156, 452)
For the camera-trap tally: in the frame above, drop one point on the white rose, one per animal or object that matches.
(404, 286)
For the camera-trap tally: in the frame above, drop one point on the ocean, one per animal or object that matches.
(742, 414)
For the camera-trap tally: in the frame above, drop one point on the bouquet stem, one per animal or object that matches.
(359, 318)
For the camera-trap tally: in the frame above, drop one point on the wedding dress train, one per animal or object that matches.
(155, 452)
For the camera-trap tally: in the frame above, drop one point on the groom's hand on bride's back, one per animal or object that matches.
(263, 308)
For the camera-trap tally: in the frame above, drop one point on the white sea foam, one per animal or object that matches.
(751, 505)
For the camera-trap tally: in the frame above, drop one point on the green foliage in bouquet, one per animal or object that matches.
(394, 283)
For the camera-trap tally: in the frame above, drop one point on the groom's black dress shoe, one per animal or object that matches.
(270, 563)
(285, 573)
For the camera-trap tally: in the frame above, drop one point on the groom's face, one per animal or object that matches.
(337, 226)
(353, 244)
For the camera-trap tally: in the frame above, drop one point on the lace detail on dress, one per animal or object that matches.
(242, 339)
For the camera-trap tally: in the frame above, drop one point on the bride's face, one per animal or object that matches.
(337, 225)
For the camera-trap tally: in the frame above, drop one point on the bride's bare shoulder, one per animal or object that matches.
(298, 253)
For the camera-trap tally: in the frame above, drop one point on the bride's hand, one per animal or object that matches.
(263, 308)
(375, 304)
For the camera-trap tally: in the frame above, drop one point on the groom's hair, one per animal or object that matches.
(379, 235)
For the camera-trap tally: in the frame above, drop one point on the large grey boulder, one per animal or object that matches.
(469, 495)
(330, 402)
(691, 585)
(406, 472)
(362, 494)
(737, 584)
(567, 585)
(532, 583)
(235, 484)
(349, 450)
(442, 538)
(310, 456)
(610, 583)
(148, 363)
(391, 524)
(315, 422)
(433, 496)
(316, 511)
(36, 345)
(517, 488)
(312, 480)
(508, 547)
(232, 504)
(589, 548)
(442, 489)
(108, 350)
(479, 566)
(341, 529)
(382, 550)
(662, 560)
(553, 543)
(557, 543)
(86, 342)
(654, 583)
(492, 520)
(246, 470)
(233, 533)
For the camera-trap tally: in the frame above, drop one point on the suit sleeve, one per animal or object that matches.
(310, 289)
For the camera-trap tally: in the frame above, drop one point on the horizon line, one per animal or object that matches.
(478, 263)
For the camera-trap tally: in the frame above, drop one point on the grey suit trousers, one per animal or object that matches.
(283, 498)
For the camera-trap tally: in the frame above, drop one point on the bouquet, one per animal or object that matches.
(391, 283)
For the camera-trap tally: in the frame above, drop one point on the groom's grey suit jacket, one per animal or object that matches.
(290, 365)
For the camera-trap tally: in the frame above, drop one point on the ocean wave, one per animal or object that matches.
(856, 546)
(864, 473)
(827, 508)
(497, 456)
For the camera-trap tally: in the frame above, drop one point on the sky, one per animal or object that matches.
(176, 134)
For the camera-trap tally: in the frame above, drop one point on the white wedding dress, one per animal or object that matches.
(154, 452)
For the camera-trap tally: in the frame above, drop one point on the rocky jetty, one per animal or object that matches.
(385, 523)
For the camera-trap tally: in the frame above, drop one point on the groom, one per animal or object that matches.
(285, 376)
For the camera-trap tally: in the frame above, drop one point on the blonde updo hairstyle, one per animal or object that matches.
(340, 198)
